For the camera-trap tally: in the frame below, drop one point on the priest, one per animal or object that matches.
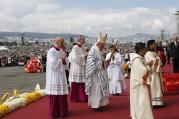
(115, 76)
(56, 82)
(96, 85)
(77, 71)
(156, 74)
(140, 102)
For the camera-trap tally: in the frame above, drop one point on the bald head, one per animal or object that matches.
(59, 42)
(81, 40)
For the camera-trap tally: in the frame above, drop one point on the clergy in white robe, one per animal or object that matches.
(140, 101)
(77, 72)
(56, 82)
(115, 76)
(97, 85)
(156, 77)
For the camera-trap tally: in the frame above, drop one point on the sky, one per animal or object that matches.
(89, 17)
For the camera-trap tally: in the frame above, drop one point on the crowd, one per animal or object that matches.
(19, 55)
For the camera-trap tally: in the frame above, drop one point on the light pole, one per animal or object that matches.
(22, 38)
(162, 38)
(177, 23)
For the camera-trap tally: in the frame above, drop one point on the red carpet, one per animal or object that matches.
(117, 109)
(168, 68)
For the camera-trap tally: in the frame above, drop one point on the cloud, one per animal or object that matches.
(53, 17)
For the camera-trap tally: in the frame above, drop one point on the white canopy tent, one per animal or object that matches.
(3, 48)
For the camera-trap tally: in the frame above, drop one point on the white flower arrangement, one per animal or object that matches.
(16, 103)
(42, 92)
(20, 100)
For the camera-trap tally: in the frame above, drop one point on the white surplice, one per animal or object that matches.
(140, 102)
(78, 63)
(56, 82)
(156, 79)
(115, 76)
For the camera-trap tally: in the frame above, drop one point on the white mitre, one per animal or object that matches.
(101, 38)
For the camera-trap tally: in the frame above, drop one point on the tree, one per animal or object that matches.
(36, 42)
(71, 40)
(14, 43)
(1, 43)
(22, 38)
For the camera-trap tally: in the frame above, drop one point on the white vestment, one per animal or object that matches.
(78, 63)
(96, 85)
(156, 79)
(56, 82)
(66, 66)
(115, 76)
(69, 57)
(140, 102)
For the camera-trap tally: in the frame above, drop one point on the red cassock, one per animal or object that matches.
(33, 66)
(163, 58)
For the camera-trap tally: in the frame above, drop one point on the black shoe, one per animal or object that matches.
(158, 106)
(117, 94)
(97, 109)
